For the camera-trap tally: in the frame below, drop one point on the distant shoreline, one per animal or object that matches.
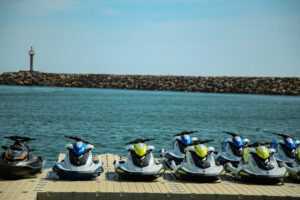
(217, 84)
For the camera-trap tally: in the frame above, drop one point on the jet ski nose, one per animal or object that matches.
(79, 147)
(140, 145)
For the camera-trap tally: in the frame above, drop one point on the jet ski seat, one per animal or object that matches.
(288, 152)
(181, 145)
(17, 147)
(78, 160)
(263, 164)
(198, 162)
(140, 161)
(235, 150)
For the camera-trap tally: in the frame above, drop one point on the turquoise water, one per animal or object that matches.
(110, 118)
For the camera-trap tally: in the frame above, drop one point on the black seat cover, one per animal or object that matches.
(235, 150)
(77, 160)
(181, 145)
(203, 164)
(17, 147)
(261, 163)
(140, 161)
(288, 152)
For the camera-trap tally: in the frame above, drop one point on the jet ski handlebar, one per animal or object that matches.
(196, 142)
(185, 132)
(139, 140)
(78, 139)
(256, 144)
(232, 134)
(19, 138)
(283, 135)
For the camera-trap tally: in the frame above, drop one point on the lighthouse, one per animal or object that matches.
(31, 54)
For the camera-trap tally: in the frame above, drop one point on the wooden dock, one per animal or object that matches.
(106, 187)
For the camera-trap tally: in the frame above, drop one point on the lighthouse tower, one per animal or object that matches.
(31, 54)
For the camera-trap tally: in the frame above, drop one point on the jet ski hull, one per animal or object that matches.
(244, 173)
(136, 173)
(19, 170)
(293, 173)
(260, 178)
(185, 175)
(76, 175)
(224, 158)
(172, 156)
(137, 176)
(187, 171)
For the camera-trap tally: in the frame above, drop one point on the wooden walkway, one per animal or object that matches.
(167, 187)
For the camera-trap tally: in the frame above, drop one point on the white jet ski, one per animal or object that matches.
(78, 163)
(140, 163)
(199, 163)
(232, 149)
(258, 165)
(288, 155)
(179, 143)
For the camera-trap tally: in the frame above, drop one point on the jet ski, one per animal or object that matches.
(140, 163)
(232, 149)
(78, 163)
(180, 142)
(19, 161)
(294, 170)
(199, 163)
(258, 165)
(287, 155)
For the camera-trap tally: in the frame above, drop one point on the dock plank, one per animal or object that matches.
(207, 189)
(9, 189)
(80, 193)
(104, 160)
(191, 188)
(18, 194)
(200, 188)
(110, 160)
(245, 189)
(57, 191)
(167, 187)
(94, 186)
(124, 192)
(132, 187)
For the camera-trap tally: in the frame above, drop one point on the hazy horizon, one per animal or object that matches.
(182, 38)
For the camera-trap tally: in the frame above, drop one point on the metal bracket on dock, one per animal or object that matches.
(169, 195)
(98, 194)
(240, 196)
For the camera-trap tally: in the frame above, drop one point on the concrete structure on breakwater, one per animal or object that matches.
(244, 85)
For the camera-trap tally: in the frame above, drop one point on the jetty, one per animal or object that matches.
(108, 187)
(211, 84)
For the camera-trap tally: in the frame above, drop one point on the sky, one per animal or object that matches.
(152, 37)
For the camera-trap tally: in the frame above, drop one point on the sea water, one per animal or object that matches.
(110, 118)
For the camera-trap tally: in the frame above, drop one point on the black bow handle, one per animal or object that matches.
(139, 140)
(185, 133)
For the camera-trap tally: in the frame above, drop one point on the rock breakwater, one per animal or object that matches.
(244, 85)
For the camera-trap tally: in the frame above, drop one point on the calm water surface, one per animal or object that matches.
(110, 118)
